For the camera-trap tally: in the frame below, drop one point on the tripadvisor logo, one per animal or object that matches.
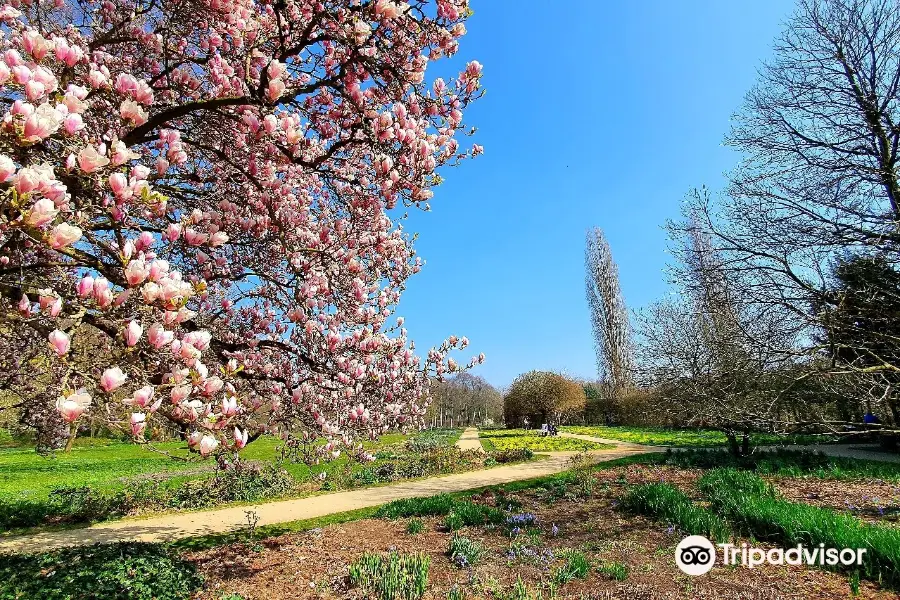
(696, 555)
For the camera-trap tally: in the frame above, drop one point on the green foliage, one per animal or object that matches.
(853, 580)
(456, 593)
(788, 463)
(614, 570)
(392, 577)
(755, 509)
(519, 592)
(519, 439)
(454, 522)
(464, 552)
(415, 526)
(666, 502)
(438, 460)
(687, 438)
(104, 572)
(576, 566)
(431, 439)
(464, 512)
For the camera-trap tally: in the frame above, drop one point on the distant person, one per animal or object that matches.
(526, 423)
(870, 419)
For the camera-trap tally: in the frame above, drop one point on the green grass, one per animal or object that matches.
(576, 566)
(519, 439)
(109, 478)
(686, 438)
(23, 472)
(614, 570)
(667, 503)
(415, 526)
(460, 513)
(754, 507)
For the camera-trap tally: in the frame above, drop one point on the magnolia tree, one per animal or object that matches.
(196, 197)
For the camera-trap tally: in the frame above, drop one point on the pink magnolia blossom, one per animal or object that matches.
(89, 160)
(64, 235)
(142, 396)
(73, 123)
(133, 332)
(208, 445)
(240, 438)
(41, 124)
(180, 393)
(7, 168)
(112, 379)
(73, 406)
(158, 336)
(261, 243)
(134, 112)
(56, 308)
(85, 286)
(41, 213)
(60, 342)
(138, 424)
(136, 272)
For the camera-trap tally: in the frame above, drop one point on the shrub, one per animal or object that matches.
(464, 552)
(512, 456)
(245, 482)
(129, 571)
(392, 577)
(666, 502)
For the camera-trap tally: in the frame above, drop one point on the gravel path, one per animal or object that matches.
(167, 528)
(469, 440)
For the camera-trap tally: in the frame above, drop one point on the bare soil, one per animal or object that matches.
(315, 564)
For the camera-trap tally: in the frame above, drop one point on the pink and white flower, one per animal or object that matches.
(73, 406)
(112, 379)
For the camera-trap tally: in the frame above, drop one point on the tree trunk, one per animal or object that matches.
(733, 443)
(73, 431)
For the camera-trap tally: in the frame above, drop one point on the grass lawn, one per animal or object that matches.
(519, 439)
(23, 472)
(686, 438)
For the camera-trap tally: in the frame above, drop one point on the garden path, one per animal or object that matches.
(469, 440)
(171, 527)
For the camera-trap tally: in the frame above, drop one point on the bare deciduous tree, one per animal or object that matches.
(464, 399)
(712, 357)
(609, 316)
(820, 135)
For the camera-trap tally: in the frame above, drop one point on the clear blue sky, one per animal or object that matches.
(596, 114)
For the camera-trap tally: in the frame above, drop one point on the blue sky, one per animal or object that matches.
(596, 114)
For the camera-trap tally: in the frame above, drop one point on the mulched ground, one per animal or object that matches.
(315, 564)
